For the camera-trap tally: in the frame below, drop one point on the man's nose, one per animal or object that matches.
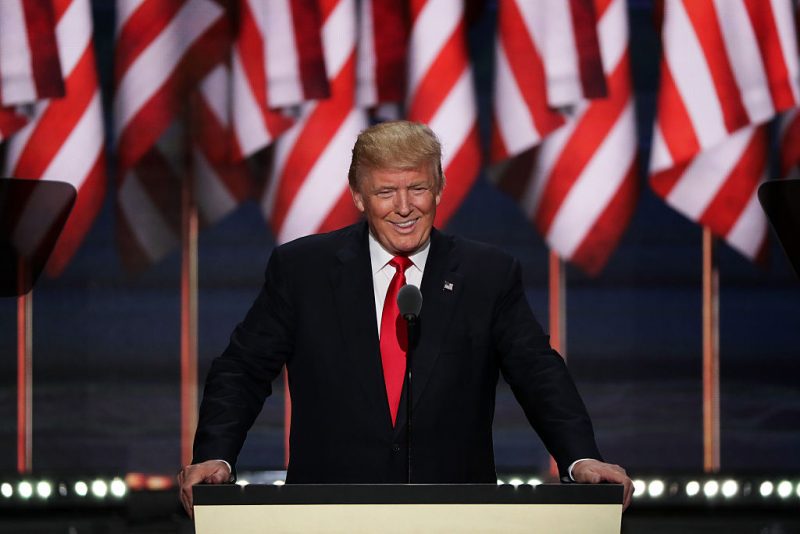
(402, 205)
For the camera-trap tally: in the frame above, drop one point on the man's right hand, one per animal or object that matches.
(209, 472)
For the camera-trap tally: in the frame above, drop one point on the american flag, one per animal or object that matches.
(547, 59)
(64, 139)
(579, 187)
(164, 52)
(726, 69)
(29, 64)
(441, 94)
(307, 191)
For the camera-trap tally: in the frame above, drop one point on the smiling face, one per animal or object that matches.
(400, 206)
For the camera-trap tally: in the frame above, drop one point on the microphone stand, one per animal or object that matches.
(412, 340)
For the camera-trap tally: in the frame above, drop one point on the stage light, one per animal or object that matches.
(25, 489)
(44, 489)
(798, 489)
(7, 490)
(515, 482)
(81, 489)
(500, 482)
(766, 488)
(118, 488)
(536, 482)
(711, 488)
(638, 487)
(729, 488)
(62, 489)
(278, 483)
(655, 488)
(692, 488)
(784, 489)
(99, 488)
(242, 482)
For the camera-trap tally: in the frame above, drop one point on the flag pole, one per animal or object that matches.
(711, 441)
(189, 275)
(557, 293)
(25, 382)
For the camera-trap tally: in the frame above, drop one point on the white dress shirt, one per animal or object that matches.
(382, 272)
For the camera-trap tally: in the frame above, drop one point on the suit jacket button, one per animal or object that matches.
(396, 448)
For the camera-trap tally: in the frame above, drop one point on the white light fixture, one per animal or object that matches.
(25, 489)
(242, 482)
(99, 488)
(278, 483)
(6, 490)
(638, 487)
(536, 482)
(515, 482)
(692, 488)
(765, 489)
(784, 489)
(729, 488)
(81, 488)
(44, 489)
(655, 488)
(798, 489)
(500, 482)
(711, 488)
(118, 488)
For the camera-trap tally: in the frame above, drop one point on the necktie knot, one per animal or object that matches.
(401, 263)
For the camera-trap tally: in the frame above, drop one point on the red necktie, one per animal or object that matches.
(394, 337)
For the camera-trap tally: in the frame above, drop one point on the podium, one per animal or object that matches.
(552, 508)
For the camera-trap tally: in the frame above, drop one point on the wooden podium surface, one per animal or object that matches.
(552, 508)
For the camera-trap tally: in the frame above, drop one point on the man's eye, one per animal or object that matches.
(384, 194)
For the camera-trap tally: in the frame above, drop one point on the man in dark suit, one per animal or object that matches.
(328, 312)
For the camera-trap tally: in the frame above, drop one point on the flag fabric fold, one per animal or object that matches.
(64, 138)
(580, 187)
(441, 94)
(727, 68)
(307, 191)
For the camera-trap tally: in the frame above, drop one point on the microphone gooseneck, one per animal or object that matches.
(409, 304)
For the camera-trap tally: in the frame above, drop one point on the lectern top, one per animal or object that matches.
(408, 494)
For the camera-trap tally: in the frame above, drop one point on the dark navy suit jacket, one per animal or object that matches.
(316, 315)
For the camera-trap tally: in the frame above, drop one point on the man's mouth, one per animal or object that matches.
(405, 225)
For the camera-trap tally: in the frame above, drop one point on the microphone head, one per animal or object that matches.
(409, 301)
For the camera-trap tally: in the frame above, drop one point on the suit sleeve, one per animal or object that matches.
(240, 379)
(539, 378)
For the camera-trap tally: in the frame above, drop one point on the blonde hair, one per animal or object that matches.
(396, 145)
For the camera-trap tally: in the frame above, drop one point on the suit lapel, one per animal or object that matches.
(355, 309)
(441, 287)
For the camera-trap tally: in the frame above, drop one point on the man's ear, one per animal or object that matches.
(358, 200)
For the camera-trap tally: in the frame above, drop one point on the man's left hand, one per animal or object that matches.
(596, 472)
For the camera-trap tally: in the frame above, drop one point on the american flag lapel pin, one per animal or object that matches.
(448, 286)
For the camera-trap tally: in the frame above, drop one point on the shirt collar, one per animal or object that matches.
(379, 256)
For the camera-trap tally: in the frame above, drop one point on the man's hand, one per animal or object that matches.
(209, 472)
(596, 472)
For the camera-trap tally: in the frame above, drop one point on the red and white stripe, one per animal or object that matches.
(547, 58)
(382, 54)
(273, 68)
(308, 190)
(163, 50)
(581, 190)
(441, 94)
(294, 51)
(64, 140)
(221, 182)
(29, 64)
(727, 67)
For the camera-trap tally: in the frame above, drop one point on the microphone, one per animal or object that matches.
(409, 304)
